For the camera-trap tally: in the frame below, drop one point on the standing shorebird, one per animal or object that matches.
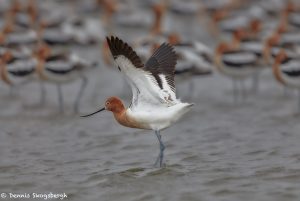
(286, 70)
(16, 71)
(61, 68)
(236, 64)
(154, 105)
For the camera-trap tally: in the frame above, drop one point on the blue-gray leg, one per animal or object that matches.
(11, 90)
(161, 152)
(60, 98)
(235, 91)
(43, 93)
(255, 83)
(298, 101)
(243, 90)
(80, 93)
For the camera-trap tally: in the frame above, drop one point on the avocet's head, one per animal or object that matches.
(282, 27)
(220, 49)
(8, 27)
(219, 14)
(223, 47)
(289, 7)
(2, 37)
(255, 25)
(16, 6)
(281, 56)
(174, 38)
(7, 56)
(43, 51)
(154, 47)
(158, 9)
(273, 39)
(239, 33)
(113, 104)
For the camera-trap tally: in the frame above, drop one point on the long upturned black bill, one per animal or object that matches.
(87, 115)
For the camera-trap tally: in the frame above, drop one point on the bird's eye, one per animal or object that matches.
(119, 68)
(107, 103)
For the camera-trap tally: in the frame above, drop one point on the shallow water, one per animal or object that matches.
(219, 151)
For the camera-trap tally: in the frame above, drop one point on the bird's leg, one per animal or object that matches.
(161, 147)
(11, 91)
(255, 85)
(243, 90)
(298, 101)
(60, 98)
(285, 91)
(43, 93)
(191, 90)
(80, 93)
(235, 92)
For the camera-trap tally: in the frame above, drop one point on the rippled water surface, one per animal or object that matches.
(219, 151)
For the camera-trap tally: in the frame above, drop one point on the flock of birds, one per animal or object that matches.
(260, 34)
(36, 45)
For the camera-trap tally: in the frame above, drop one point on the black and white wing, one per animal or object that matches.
(152, 83)
(291, 68)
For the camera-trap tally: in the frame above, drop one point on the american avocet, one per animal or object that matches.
(236, 64)
(56, 36)
(154, 105)
(22, 37)
(62, 67)
(250, 42)
(287, 72)
(194, 60)
(275, 43)
(17, 71)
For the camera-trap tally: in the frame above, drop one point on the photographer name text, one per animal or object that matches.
(43, 196)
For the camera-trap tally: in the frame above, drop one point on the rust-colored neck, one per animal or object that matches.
(40, 68)
(116, 106)
(236, 40)
(4, 75)
(123, 119)
(106, 55)
(158, 13)
(267, 53)
(255, 27)
(269, 43)
(32, 12)
(218, 61)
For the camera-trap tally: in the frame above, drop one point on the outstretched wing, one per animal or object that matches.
(162, 67)
(152, 83)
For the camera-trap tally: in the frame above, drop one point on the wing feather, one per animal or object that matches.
(152, 83)
(163, 62)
